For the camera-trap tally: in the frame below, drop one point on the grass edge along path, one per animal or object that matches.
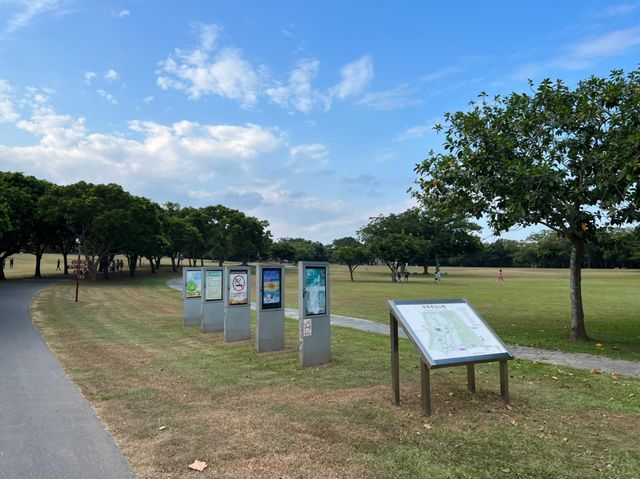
(170, 395)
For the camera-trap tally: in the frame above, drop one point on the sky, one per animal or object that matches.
(310, 115)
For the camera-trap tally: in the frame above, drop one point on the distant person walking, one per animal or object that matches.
(58, 265)
(436, 277)
(500, 276)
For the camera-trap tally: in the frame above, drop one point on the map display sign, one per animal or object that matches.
(271, 288)
(315, 284)
(193, 286)
(213, 285)
(238, 287)
(449, 331)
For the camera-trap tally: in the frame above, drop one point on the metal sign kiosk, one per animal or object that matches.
(269, 308)
(315, 315)
(212, 301)
(237, 308)
(192, 294)
(446, 332)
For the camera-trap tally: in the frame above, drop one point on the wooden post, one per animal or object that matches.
(425, 384)
(504, 381)
(471, 378)
(395, 363)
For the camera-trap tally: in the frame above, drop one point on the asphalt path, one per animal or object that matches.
(599, 364)
(47, 428)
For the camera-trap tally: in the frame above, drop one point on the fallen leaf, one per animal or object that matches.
(595, 371)
(428, 426)
(565, 439)
(506, 470)
(614, 376)
(162, 428)
(198, 465)
(513, 422)
(508, 407)
(553, 377)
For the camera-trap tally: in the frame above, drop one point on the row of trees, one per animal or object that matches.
(610, 248)
(37, 216)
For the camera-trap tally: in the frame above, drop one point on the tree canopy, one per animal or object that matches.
(566, 158)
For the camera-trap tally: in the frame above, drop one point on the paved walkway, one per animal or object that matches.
(560, 358)
(47, 429)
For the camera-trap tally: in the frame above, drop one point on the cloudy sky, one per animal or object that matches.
(311, 115)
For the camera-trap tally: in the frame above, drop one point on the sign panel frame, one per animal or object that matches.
(315, 289)
(271, 289)
(238, 287)
(195, 277)
(432, 362)
(211, 288)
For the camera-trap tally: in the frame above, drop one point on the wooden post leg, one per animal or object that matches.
(426, 388)
(471, 378)
(504, 381)
(395, 363)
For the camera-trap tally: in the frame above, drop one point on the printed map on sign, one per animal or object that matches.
(451, 330)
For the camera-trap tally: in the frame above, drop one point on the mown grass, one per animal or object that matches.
(530, 308)
(262, 415)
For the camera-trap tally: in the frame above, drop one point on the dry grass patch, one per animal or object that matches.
(170, 395)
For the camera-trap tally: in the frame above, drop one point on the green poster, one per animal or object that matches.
(315, 284)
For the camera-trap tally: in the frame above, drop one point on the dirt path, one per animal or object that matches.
(560, 358)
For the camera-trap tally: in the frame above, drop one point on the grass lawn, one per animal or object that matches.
(530, 308)
(170, 395)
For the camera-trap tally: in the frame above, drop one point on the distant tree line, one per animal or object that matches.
(37, 216)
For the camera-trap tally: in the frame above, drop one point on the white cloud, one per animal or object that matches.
(123, 13)
(111, 75)
(8, 113)
(29, 9)
(200, 72)
(402, 96)
(298, 93)
(311, 157)
(619, 9)
(355, 78)
(148, 99)
(415, 132)
(107, 96)
(148, 153)
(213, 69)
(439, 74)
(89, 76)
(584, 54)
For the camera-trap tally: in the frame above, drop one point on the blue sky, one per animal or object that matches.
(311, 115)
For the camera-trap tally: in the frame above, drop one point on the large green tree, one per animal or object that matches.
(566, 158)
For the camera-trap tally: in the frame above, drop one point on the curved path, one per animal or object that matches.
(560, 358)
(47, 429)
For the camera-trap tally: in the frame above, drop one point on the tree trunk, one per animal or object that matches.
(65, 260)
(133, 264)
(153, 266)
(578, 331)
(173, 264)
(221, 262)
(3, 260)
(38, 256)
(351, 268)
(425, 267)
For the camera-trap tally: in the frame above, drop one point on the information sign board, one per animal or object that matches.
(449, 332)
(238, 287)
(213, 289)
(193, 287)
(271, 288)
(315, 284)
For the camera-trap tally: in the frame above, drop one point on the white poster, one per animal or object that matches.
(238, 287)
(450, 330)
